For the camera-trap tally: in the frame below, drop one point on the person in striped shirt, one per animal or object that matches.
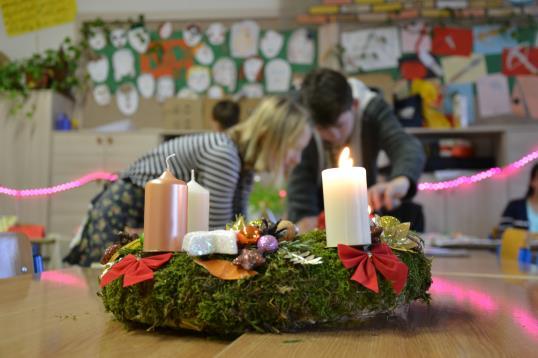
(271, 140)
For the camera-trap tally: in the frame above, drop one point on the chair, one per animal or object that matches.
(15, 255)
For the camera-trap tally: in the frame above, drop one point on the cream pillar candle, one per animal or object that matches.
(345, 197)
(198, 214)
(165, 212)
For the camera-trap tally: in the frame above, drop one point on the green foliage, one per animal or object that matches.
(282, 297)
(265, 197)
(53, 69)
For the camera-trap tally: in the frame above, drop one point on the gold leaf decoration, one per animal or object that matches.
(225, 270)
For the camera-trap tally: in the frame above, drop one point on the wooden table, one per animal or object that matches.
(483, 264)
(60, 315)
(472, 314)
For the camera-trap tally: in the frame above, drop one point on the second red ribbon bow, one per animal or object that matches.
(380, 258)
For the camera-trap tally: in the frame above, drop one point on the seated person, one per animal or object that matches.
(269, 141)
(225, 115)
(523, 213)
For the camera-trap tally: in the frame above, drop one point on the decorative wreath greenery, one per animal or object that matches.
(283, 296)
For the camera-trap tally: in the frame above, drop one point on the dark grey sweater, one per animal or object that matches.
(379, 130)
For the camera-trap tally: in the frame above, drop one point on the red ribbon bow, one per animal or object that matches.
(379, 258)
(134, 270)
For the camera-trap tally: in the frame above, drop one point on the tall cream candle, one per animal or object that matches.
(198, 214)
(345, 197)
(165, 212)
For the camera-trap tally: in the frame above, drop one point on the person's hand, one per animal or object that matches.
(388, 195)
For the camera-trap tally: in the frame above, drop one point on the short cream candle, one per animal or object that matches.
(198, 208)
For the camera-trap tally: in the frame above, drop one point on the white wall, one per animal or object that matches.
(25, 45)
(16, 47)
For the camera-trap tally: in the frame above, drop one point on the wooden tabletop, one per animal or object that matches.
(483, 264)
(60, 315)
(472, 314)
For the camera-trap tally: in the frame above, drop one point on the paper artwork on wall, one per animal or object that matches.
(127, 99)
(123, 64)
(416, 37)
(524, 99)
(101, 95)
(216, 33)
(301, 47)
(198, 78)
(146, 85)
(97, 39)
(492, 39)
(369, 50)
(464, 90)
(413, 66)
(452, 41)
(139, 39)
(165, 30)
(493, 95)
(277, 76)
(118, 37)
(98, 69)
(462, 69)
(225, 73)
(192, 35)
(215, 92)
(271, 43)
(244, 37)
(252, 68)
(252, 90)
(204, 54)
(520, 60)
(166, 88)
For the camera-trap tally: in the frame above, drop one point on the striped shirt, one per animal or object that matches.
(217, 165)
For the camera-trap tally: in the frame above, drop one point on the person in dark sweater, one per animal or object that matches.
(523, 213)
(347, 113)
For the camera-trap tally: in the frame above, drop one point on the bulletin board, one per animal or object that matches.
(173, 57)
(493, 66)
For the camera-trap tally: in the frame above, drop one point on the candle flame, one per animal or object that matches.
(344, 161)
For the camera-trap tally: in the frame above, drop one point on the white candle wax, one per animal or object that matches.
(345, 197)
(198, 206)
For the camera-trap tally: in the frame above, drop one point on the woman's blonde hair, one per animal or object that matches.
(265, 137)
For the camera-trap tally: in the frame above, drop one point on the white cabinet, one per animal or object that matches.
(25, 160)
(75, 154)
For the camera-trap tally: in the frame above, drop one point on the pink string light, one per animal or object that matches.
(428, 186)
(26, 193)
(478, 177)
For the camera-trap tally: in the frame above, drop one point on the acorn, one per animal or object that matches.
(287, 230)
(109, 252)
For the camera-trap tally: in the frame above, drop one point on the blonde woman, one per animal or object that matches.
(270, 140)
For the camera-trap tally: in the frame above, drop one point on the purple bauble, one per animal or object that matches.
(267, 243)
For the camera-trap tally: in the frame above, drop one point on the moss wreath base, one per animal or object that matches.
(283, 296)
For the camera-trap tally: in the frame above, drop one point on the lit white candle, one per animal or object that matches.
(198, 206)
(345, 196)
